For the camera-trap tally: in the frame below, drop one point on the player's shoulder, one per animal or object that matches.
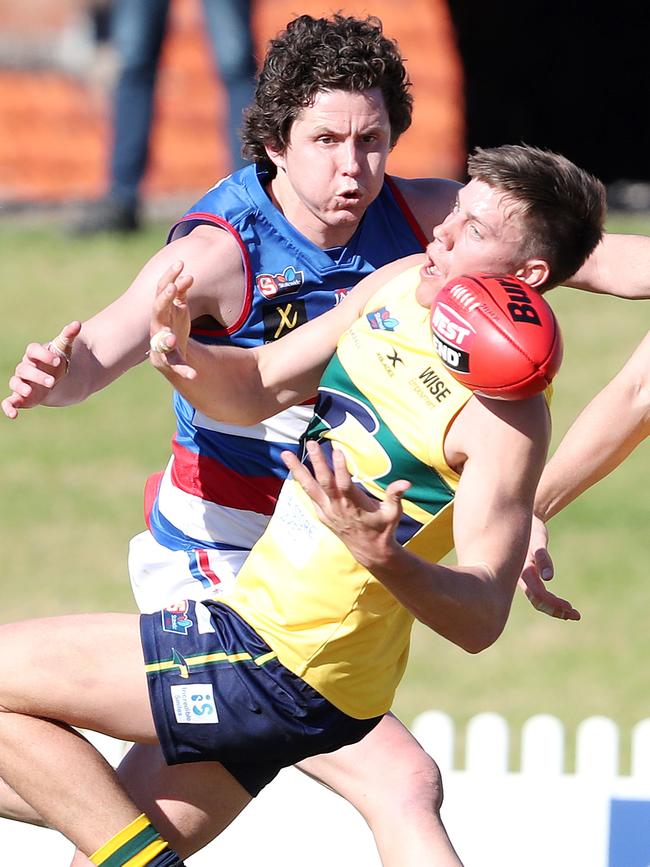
(502, 432)
(208, 246)
(429, 199)
(213, 258)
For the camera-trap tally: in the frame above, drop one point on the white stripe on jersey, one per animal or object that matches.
(285, 427)
(206, 521)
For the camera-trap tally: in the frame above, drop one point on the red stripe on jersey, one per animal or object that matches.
(408, 213)
(210, 480)
(151, 488)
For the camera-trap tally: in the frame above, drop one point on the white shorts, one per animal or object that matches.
(160, 577)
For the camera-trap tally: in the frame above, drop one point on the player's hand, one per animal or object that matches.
(365, 525)
(41, 367)
(171, 323)
(538, 569)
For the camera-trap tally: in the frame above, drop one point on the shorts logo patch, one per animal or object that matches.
(194, 703)
(177, 659)
(175, 618)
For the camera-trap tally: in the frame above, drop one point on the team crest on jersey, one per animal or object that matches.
(381, 320)
(176, 619)
(271, 285)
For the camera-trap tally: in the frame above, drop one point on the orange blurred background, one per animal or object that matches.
(56, 118)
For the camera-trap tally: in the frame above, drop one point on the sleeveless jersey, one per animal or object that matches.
(387, 402)
(222, 481)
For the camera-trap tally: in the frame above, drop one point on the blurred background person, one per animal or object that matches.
(138, 30)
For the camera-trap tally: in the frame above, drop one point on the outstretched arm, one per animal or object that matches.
(603, 435)
(607, 430)
(620, 265)
(116, 338)
(246, 385)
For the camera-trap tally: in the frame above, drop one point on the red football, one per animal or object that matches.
(496, 335)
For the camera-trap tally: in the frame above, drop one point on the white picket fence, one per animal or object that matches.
(539, 816)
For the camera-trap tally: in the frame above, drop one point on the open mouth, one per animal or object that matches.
(431, 269)
(350, 195)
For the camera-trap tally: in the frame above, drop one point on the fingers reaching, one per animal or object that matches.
(541, 598)
(170, 324)
(42, 366)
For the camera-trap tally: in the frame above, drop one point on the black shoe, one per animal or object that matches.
(106, 215)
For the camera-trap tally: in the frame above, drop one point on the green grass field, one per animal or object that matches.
(72, 483)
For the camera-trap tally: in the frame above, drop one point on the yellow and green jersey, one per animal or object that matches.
(387, 401)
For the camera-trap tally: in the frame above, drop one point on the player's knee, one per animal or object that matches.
(413, 793)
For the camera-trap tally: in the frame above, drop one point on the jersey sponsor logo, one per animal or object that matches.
(436, 386)
(175, 618)
(455, 359)
(279, 321)
(271, 285)
(448, 325)
(194, 703)
(519, 308)
(381, 320)
(394, 358)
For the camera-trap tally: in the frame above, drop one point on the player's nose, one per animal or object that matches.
(351, 159)
(444, 232)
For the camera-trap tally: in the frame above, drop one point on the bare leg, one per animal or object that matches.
(188, 804)
(85, 671)
(393, 783)
(12, 806)
(397, 788)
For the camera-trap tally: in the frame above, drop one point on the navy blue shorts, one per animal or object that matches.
(218, 693)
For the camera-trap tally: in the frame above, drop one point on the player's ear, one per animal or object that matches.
(277, 157)
(535, 272)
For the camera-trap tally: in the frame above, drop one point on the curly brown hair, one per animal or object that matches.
(319, 54)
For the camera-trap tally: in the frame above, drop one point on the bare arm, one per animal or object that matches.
(607, 430)
(602, 436)
(620, 265)
(469, 603)
(244, 386)
(116, 338)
